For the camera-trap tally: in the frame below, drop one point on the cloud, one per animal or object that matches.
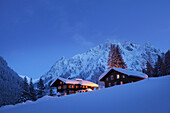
(82, 40)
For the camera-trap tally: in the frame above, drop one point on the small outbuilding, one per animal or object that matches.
(118, 76)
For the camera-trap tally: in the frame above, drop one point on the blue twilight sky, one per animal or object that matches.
(34, 34)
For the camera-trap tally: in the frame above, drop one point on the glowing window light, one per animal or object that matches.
(59, 87)
(118, 76)
(121, 82)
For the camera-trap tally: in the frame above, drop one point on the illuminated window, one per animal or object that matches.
(72, 86)
(69, 86)
(123, 76)
(118, 76)
(59, 87)
(84, 86)
(77, 86)
(107, 79)
(109, 84)
(121, 82)
(61, 82)
(112, 77)
(114, 83)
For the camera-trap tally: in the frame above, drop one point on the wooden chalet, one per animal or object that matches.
(67, 86)
(118, 76)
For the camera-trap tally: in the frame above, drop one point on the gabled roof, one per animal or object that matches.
(82, 82)
(125, 71)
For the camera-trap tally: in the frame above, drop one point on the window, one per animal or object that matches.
(69, 86)
(114, 83)
(77, 86)
(123, 76)
(118, 76)
(72, 86)
(65, 86)
(84, 86)
(59, 87)
(112, 77)
(107, 79)
(121, 82)
(61, 82)
(109, 84)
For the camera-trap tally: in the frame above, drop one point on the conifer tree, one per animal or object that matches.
(167, 62)
(155, 70)
(149, 69)
(111, 57)
(25, 84)
(40, 86)
(115, 58)
(160, 64)
(25, 94)
(120, 61)
(32, 91)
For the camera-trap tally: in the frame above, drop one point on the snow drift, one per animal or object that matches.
(151, 95)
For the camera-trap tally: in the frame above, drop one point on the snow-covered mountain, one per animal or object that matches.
(28, 78)
(91, 64)
(10, 84)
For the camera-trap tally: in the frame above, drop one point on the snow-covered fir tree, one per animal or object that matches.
(25, 94)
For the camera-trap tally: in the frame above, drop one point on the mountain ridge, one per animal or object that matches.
(91, 64)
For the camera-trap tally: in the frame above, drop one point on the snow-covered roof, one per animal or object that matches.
(82, 82)
(125, 71)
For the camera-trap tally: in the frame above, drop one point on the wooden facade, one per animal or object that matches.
(114, 77)
(69, 88)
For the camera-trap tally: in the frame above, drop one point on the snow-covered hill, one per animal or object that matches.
(10, 84)
(147, 96)
(92, 63)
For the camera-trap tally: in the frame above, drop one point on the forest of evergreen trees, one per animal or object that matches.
(161, 67)
(31, 93)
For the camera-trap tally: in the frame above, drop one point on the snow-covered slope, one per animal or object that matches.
(147, 96)
(91, 64)
(9, 84)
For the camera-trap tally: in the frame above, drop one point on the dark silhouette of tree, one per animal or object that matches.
(25, 94)
(32, 91)
(40, 86)
(167, 63)
(155, 70)
(149, 69)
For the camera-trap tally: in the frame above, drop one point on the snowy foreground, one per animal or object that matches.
(148, 96)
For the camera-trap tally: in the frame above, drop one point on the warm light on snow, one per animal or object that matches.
(81, 82)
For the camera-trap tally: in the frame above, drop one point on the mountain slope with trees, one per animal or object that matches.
(91, 64)
(10, 84)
